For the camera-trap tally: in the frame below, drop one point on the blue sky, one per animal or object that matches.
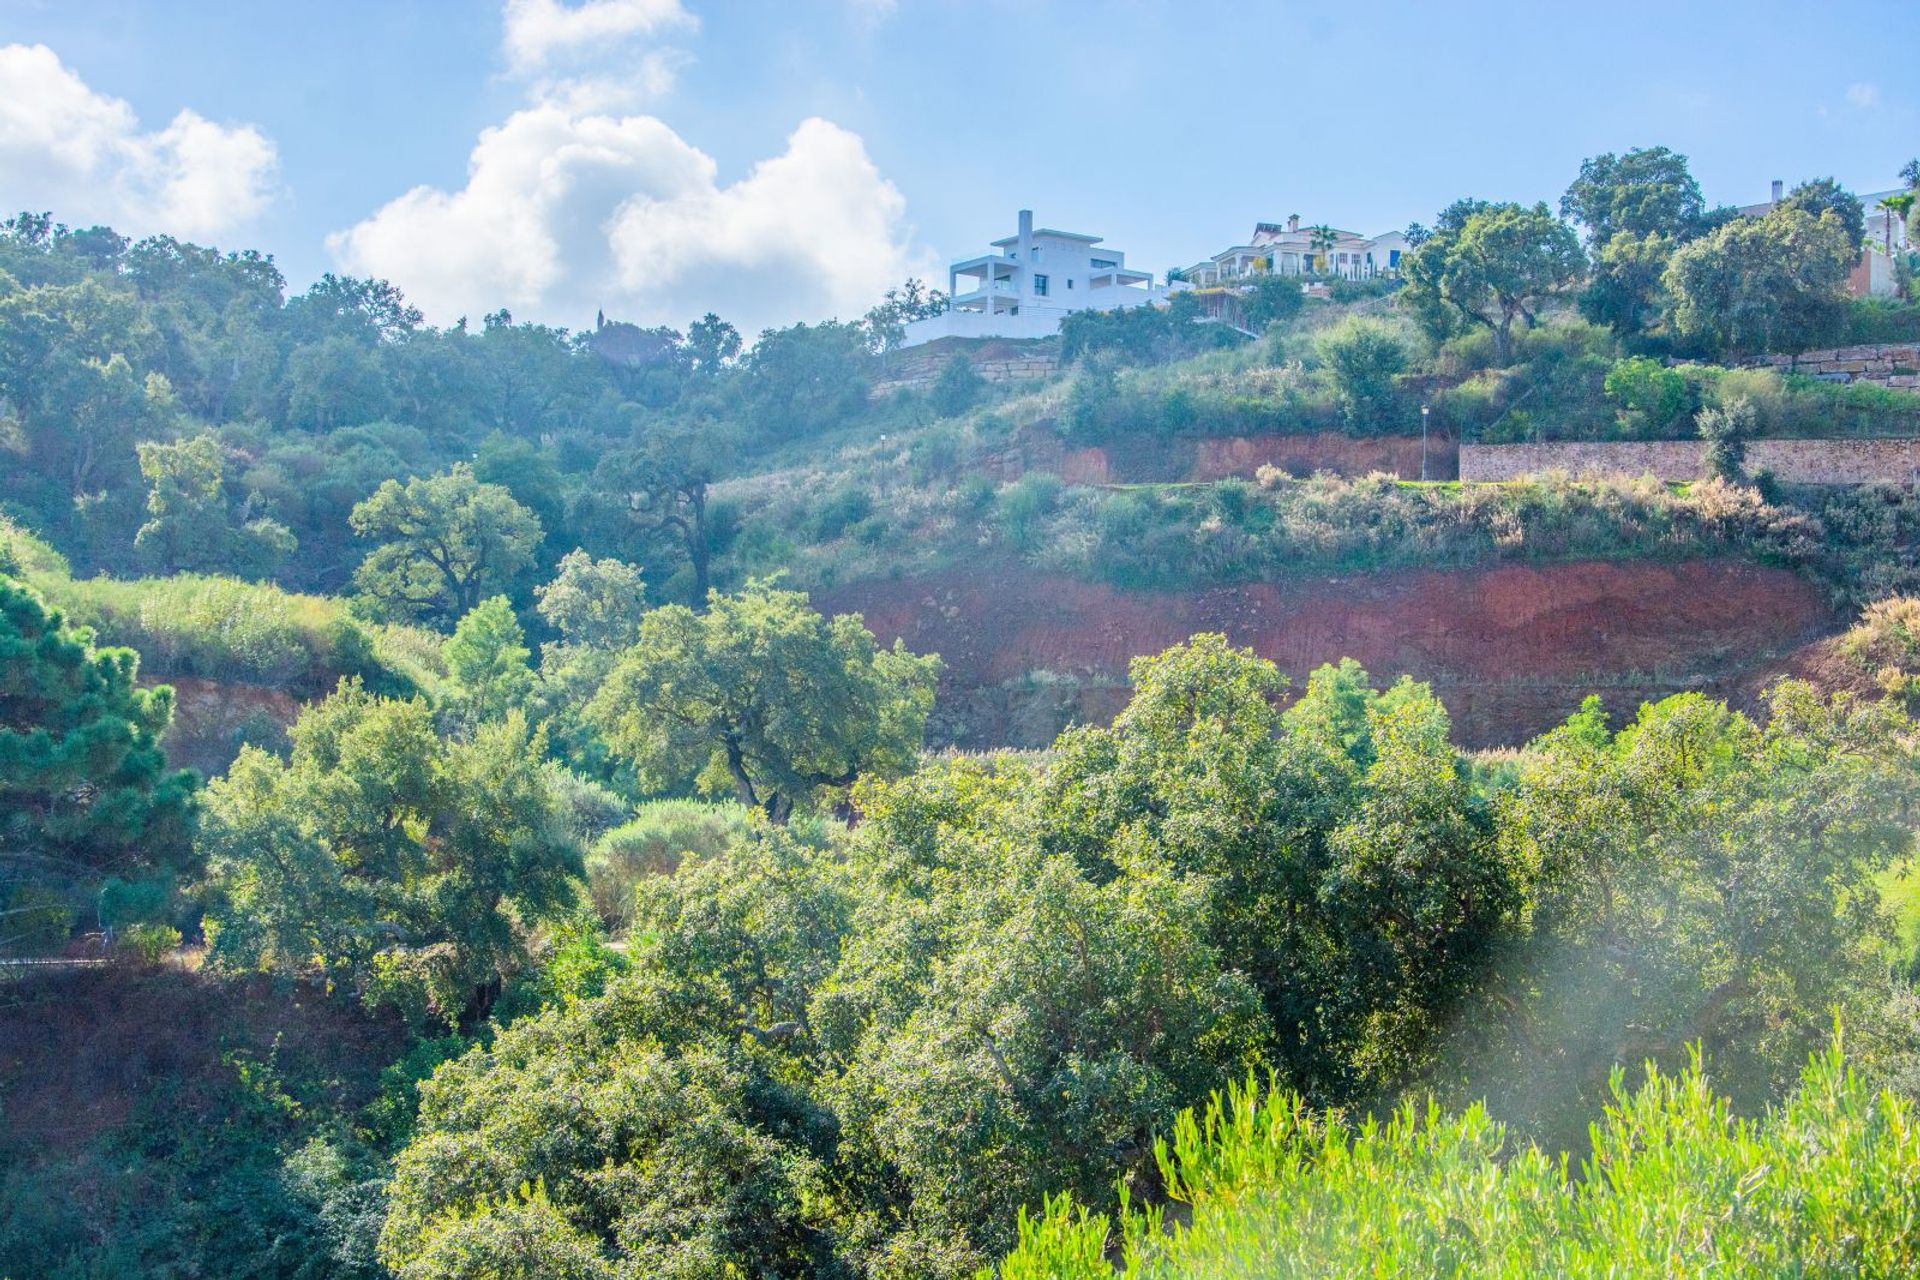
(1169, 128)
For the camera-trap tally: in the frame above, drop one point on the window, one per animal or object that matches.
(1103, 262)
(1069, 282)
(1039, 286)
(1393, 258)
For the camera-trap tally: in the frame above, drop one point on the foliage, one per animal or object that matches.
(1490, 265)
(763, 697)
(1636, 209)
(387, 858)
(1653, 398)
(1325, 524)
(957, 389)
(1725, 432)
(1821, 196)
(1885, 646)
(85, 792)
(1364, 356)
(447, 542)
(807, 378)
(596, 603)
(1270, 300)
(659, 836)
(189, 526)
(1818, 1186)
(1773, 283)
(487, 673)
(1142, 335)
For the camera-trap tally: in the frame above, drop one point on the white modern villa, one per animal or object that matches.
(1033, 278)
(1294, 250)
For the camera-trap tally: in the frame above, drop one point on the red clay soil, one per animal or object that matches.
(1511, 649)
(208, 714)
(80, 1051)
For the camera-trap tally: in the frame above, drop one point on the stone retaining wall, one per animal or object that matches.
(917, 369)
(1891, 364)
(1840, 462)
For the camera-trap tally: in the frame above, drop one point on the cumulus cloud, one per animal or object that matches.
(81, 154)
(539, 31)
(564, 214)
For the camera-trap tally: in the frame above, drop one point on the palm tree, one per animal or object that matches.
(1321, 238)
(1897, 206)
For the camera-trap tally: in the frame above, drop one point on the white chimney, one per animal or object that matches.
(1779, 189)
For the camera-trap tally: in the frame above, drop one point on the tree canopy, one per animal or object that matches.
(385, 857)
(1491, 265)
(85, 791)
(446, 543)
(763, 697)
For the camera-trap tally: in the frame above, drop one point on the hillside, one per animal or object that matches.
(492, 800)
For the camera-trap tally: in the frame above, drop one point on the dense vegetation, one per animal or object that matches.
(1820, 1186)
(591, 906)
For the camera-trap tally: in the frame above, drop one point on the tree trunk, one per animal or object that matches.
(698, 552)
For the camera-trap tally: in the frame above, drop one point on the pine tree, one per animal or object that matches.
(85, 792)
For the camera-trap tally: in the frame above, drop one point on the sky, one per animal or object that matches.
(783, 160)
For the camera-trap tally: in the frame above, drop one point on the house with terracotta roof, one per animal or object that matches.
(1290, 249)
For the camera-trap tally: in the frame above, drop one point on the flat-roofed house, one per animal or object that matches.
(1030, 280)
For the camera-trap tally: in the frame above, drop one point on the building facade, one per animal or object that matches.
(1290, 249)
(1030, 280)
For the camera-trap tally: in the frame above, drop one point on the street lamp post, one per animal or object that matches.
(1423, 442)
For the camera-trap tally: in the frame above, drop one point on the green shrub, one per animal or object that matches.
(588, 808)
(1653, 398)
(219, 628)
(653, 842)
(1878, 320)
(957, 389)
(1024, 504)
(1364, 357)
(1826, 1184)
(149, 943)
(844, 507)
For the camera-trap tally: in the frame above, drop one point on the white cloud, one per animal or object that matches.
(1863, 96)
(564, 214)
(538, 31)
(82, 155)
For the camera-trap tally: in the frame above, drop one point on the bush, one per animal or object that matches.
(653, 842)
(1877, 320)
(1363, 356)
(1726, 432)
(844, 507)
(149, 943)
(1652, 398)
(219, 628)
(957, 389)
(1885, 647)
(1823, 1185)
(1178, 537)
(588, 809)
(1024, 504)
